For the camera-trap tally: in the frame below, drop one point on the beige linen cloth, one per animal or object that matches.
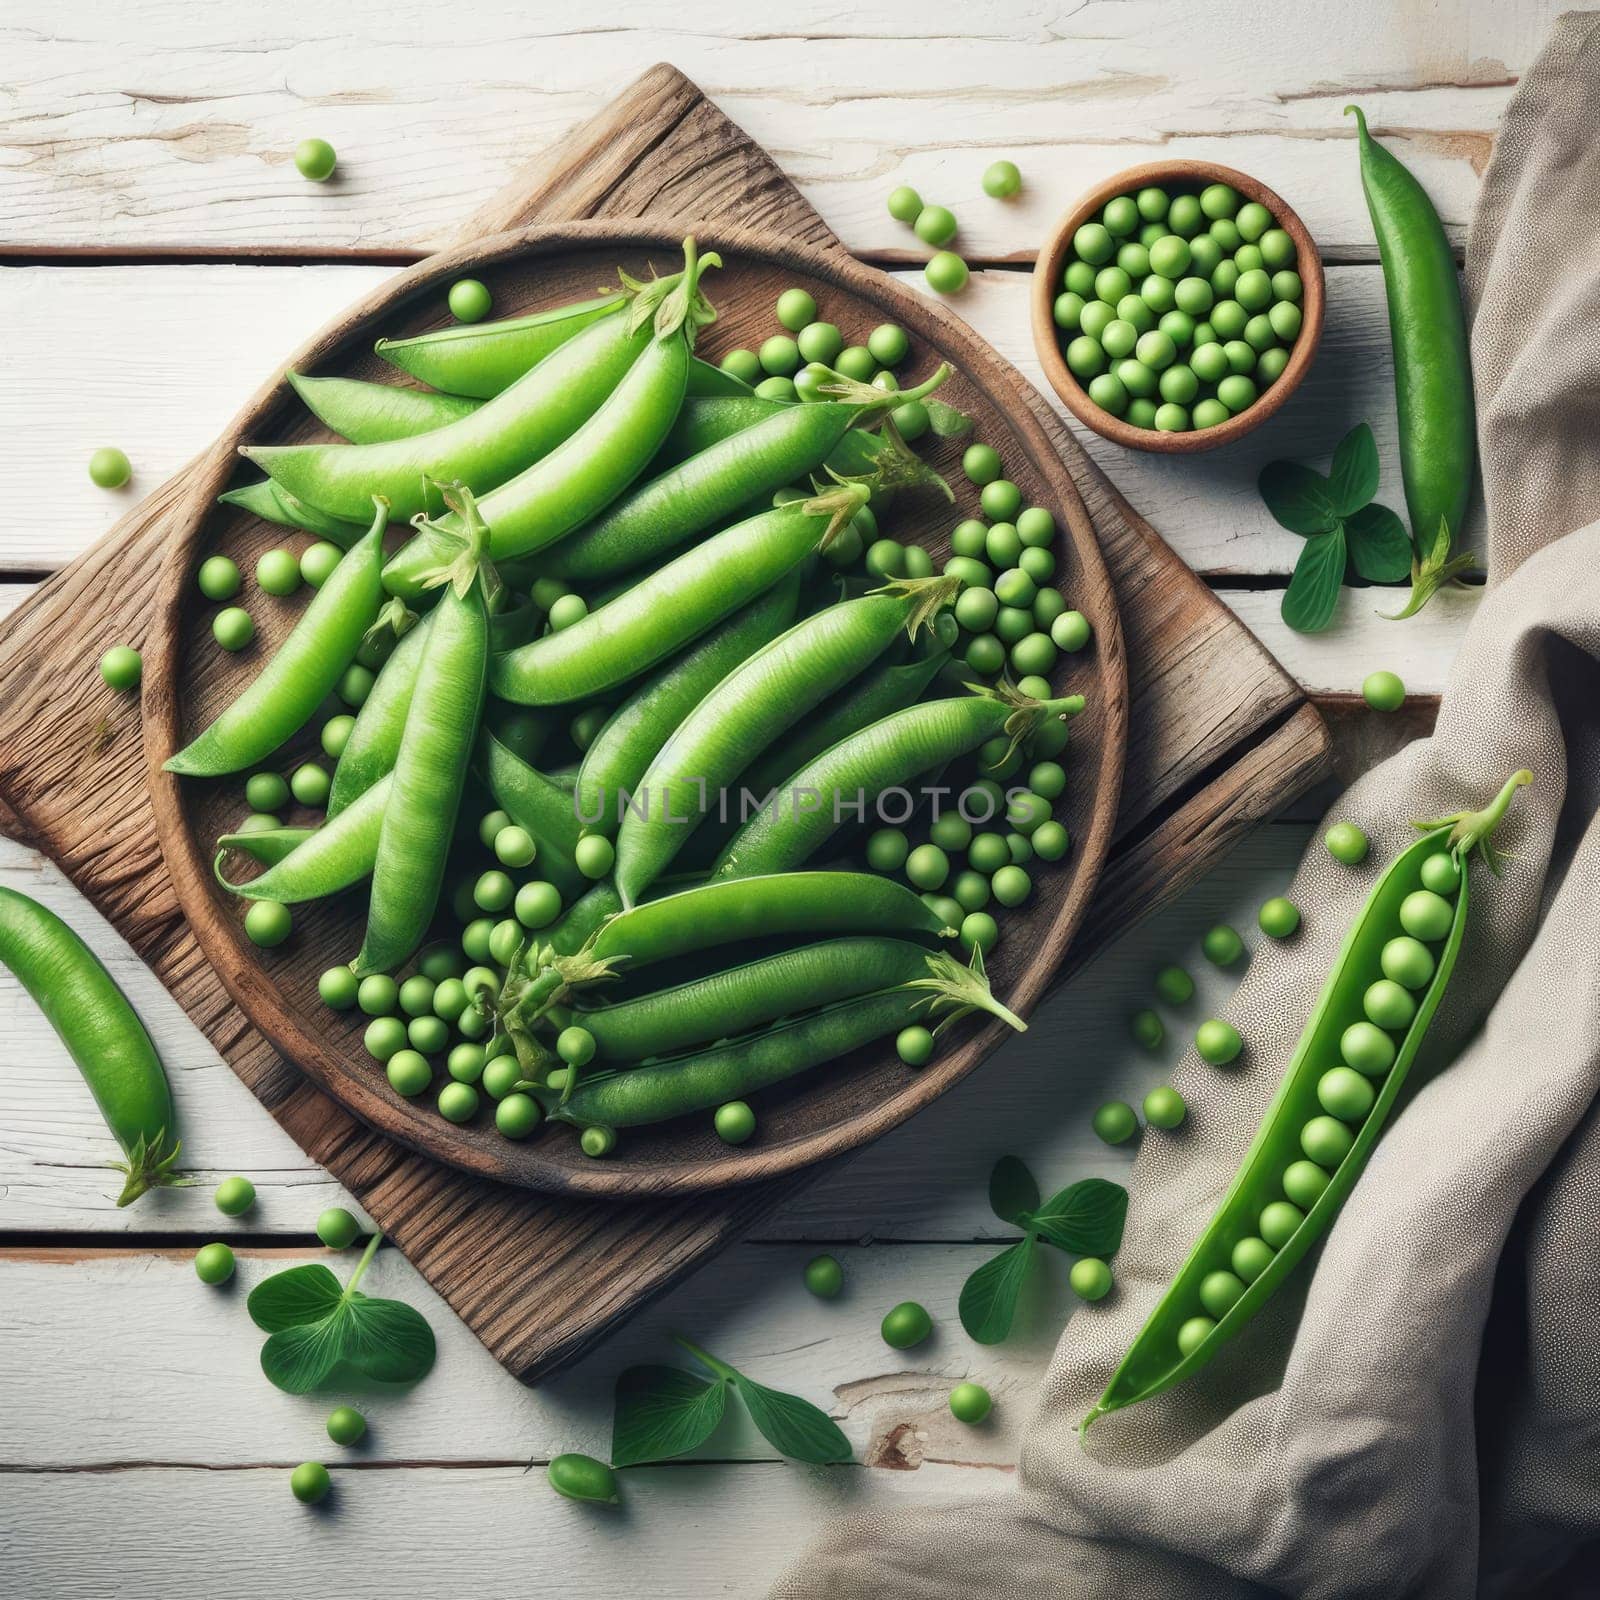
(1417, 1413)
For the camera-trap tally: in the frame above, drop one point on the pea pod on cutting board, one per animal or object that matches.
(1337, 1091)
(754, 705)
(376, 413)
(593, 464)
(1432, 366)
(284, 695)
(102, 1033)
(698, 493)
(674, 605)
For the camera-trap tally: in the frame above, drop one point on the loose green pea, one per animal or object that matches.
(1174, 986)
(824, 1277)
(1222, 946)
(517, 1115)
(338, 1228)
(338, 988)
(278, 573)
(1286, 286)
(1011, 886)
(1172, 418)
(346, 1425)
(428, 1034)
(1147, 1029)
(1164, 1107)
(777, 388)
(1251, 1257)
(408, 1072)
(1279, 1221)
(986, 655)
(1407, 962)
(458, 1102)
(218, 578)
(594, 855)
(335, 735)
(1070, 631)
(470, 300)
(1278, 918)
(795, 309)
(1426, 915)
(1347, 843)
(906, 1325)
(742, 364)
(234, 1196)
(537, 904)
(109, 468)
(310, 785)
(946, 272)
(1345, 1094)
(315, 159)
(121, 667)
(233, 628)
(378, 994)
(914, 1046)
(267, 924)
(970, 1403)
(1115, 1122)
(1326, 1141)
(1090, 1278)
(1218, 1292)
(779, 356)
(904, 203)
(1383, 691)
(1050, 841)
(1067, 311)
(213, 1263)
(1304, 1183)
(1218, 1042)
(1109, 393)
(979, 931)
(935, 225)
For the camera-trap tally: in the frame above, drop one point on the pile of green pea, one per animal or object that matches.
(1178, 311)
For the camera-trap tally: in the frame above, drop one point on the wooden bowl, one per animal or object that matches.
(188, 679)
(1181, 177)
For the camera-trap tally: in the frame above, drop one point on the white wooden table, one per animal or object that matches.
(141, 1451)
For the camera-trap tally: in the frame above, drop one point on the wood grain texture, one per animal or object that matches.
(566, 1271)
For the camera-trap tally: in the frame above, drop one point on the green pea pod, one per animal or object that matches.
(888, 687)
(302, 672)
(374, 741)
(375, 413)
(637, 729)
(707, 380)
(483, 359)
(430, 767)
(267, 845)
(102, 1033)
(673, 606)
(742, 999)
(536, 803)
(265, 499)
(807, 811)
(1428, 328)
(694, 772)
(705, 490)
(1212, 1299)
(593, 465)
(330, 858)
(502, 437)
(674, 1088)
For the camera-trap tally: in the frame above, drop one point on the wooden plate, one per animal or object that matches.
(188, 679)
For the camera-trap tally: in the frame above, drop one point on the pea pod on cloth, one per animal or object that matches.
(624, 748)
(322, 861)
(1337, 1091)
(592, 465)
(673, 1088)
(805, 814)
(483, 450)
(697, 494)
(103, 1035)
(674, 605)
(753, 706)
(375, 413)
(284, 695)
(430, 766)
(1432, 368)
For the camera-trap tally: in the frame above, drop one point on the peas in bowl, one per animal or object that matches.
(1177, 306)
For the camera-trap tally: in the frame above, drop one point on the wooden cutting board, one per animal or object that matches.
(1220, 737)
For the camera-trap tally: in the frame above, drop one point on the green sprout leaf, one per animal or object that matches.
(1313, 593)
(1297, 497)
(1085, 1219)
(1013, 1190)
(317, 1328)
(988, 1303)
(1380, 548)
(662, 1412)
(793, 1427)
(1353, 477)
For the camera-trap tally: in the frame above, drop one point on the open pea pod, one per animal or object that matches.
(1210, 1301)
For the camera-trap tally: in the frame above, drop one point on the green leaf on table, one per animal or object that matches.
(1085, 1219)
(1379, 546)
(1353, 477)
(317, 1328)
(988, 1303)
(1013, 1190)
(793, 1427)
(663, 1412)
(1313, 593)
(1298, 497)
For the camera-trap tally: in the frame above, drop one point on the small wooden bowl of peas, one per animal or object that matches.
(1177, 306)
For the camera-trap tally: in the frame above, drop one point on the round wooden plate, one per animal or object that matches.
(188, 679)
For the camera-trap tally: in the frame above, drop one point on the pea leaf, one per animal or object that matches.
(1313, 592)
(1085, 1218)
(946, 421)
(1380, 548)
(1297, 497)
(793, 1427)
(1013, 1190)
(988, 1303)
(1353, 477)
(317, 1328)
(663, 1412)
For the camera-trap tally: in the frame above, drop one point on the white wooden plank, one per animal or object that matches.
(147, 123)
(751, 1308)
(492, 1533)
(156, 359)
(924, 1181)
